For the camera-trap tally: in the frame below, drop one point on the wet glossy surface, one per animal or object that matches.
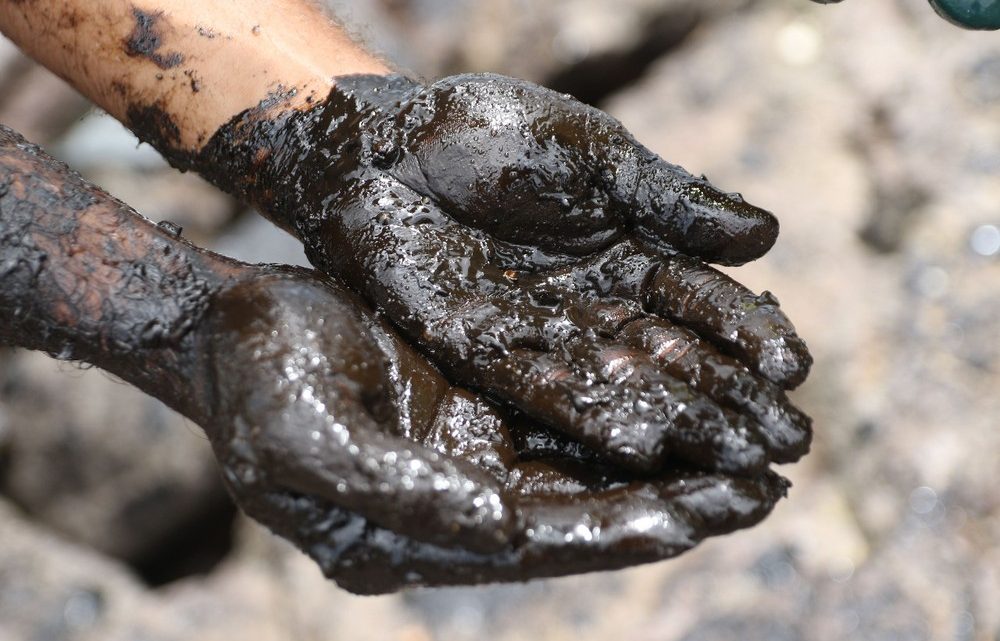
(330, 429)
(459, 494)
(534, 251)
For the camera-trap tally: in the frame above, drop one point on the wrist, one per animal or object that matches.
(278, 155)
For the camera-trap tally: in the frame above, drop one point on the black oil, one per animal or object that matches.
(146, 40)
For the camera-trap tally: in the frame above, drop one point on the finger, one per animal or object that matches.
(785, 429)
(471, 428)
(750, 327)
(673, 211)
(616, 401)
(400, 486)
(642, 522)
(607, 530)
(691, 294)
(308, 405)
(561, 477)
(725, 504)
(615, 529)
(533, 441)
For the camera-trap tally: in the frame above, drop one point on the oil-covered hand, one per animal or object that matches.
(336, 435)
(535, 251)
(330, 430)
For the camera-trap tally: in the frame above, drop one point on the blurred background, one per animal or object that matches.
(872, 129)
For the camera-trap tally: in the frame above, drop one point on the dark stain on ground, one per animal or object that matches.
(594, 78)
(146, 40)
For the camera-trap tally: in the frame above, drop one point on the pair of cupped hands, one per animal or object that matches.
(513, 360)
(545, 376)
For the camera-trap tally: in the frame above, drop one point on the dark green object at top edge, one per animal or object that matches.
(970, 14)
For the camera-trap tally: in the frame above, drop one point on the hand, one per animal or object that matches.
(337, 436)
(538, 253)
(330, 430)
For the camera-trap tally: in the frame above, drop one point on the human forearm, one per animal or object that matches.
(176, 70)
(85, 278)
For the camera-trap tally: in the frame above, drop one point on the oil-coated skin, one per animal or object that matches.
(330, 430)
(535, 251)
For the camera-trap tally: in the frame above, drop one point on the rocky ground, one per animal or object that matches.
(871, 128)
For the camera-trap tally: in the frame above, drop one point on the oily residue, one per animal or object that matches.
(153, 125)
(193, 80)
(207, 32)
(539, 495)
(146, 40)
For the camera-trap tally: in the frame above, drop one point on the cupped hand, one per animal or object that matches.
(536, 252)
(339, 437)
